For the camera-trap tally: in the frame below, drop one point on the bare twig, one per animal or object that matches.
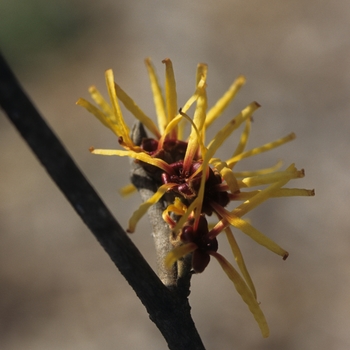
(166, 309)
(147, 186)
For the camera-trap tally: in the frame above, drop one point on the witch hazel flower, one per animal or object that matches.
(196, 183)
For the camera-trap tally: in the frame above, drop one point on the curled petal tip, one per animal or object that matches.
(257, 104)
(285, 256)
(92, 88)
(91, 149)
(79, 102)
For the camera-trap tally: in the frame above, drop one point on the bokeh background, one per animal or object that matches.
(58, 289)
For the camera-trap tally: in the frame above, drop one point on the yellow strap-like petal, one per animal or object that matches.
(198, 119)
(269, 170)
(142, 210)
(178, 208)
(127, 190)
(99, 99)
(267, 147)
(249, 230)
(224, 101)
(291, 192)
(226, 131)
(131, 106)
(158, 98)
(244, 138)
(118, 120)
(270, 178)
(282, 192)
(161, 164)
(226, 173)
(185, 216)
(179, 252)
(239, 259)
(244, 291)
(263, 195)
(170, 90)
(98, 114)
(214, 145)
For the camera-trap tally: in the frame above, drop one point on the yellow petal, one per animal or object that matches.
(227, 174)
(267, 147)
(239, 259)
(282, 192)
(244, 291)
(170, 90)
(188, 104)
(157, 96)
(161, 164)
(99, 115)
(198, 121)
(244, 138)
(118, 120)
(214, 145)
(127, 190)
(270, 178)
(269, 170)
(264, 194)
(142, 210)
(99, 99)
(131, 106)
(226, 131)
(179, 252)
(224, 101)
(250, 231)
(291, 192)
(185, 216)
(178, 208)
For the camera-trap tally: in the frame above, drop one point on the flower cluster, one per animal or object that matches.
(200, 183)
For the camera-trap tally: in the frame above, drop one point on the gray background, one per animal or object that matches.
(58, 289)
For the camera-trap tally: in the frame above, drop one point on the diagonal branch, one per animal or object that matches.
(166, 309)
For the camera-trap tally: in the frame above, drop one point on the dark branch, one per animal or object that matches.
(166, 310)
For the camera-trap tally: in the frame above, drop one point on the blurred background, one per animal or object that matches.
(58, 289)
